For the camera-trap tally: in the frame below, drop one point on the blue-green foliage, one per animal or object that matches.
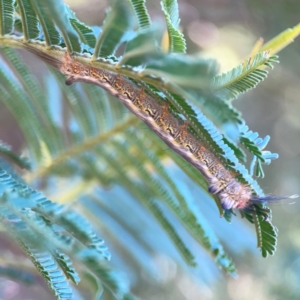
(91, 143)
(30, 24)
(177, 42)
(244, 77)
(30, 217)
(7, 17)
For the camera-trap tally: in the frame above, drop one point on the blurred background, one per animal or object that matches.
(225, 30)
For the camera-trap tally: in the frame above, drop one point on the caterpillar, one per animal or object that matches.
(174, 131)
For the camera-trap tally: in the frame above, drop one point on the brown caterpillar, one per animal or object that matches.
(172, 130)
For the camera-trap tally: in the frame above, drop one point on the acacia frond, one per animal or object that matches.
(177, 42)
(82, 135)
(7, 17)
(29, 23)
(37, 252)
(141, 13)
(255, 145)
(244, 77)
(117, 23)
(266, 233)
(29, 216)
(86, 33)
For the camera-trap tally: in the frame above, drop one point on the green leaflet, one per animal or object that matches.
(37, 97)
(36, 221)
(39, 255)
(51, 35)
(177, 42)
(244, 77)
(12, 90)
(18, 26)
(111, 281)
(216, 109)
(6, 17)
(141, 48)
(56, 11)
(43, 211)
(117, 23)
(5, 165)
(266, 234)
(182, 70)
(239, 153)
(255, 145)
(85, 33)
(67, 266)
(29, 19)
(141, 13)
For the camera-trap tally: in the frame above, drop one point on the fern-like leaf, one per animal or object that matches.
(244, 77)
(176, 39)
(238, 152)
(266, 232)
(36, 95)
(39, 255)
(29, 224)
(51, 35)
(27, 125)
(30, 25)
(182, 70)
(141, 13)
(6, 17)
(84, 232)
(67, 266)
(255, 145)
(110, 280)
(86, 33)
(57, 11)
(140, 48)
(117, 22)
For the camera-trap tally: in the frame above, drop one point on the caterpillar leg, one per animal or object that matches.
(70, 80)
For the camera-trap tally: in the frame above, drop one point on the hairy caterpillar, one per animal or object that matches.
(171, 129)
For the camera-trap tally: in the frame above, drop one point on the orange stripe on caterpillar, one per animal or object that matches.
(170, 128)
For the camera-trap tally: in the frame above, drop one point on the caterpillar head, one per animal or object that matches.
(235, 195)
(238, 195)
